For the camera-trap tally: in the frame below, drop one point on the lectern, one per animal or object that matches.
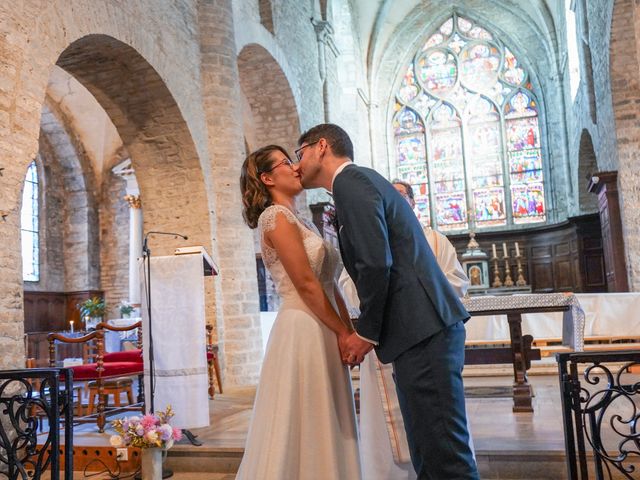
(179, 338)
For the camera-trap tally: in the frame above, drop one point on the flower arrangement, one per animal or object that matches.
(149, 431)
(92, 307)
(125, 308)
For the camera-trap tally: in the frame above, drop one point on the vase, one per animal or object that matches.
(151, 464)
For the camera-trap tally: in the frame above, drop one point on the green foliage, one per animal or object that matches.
(93, 307)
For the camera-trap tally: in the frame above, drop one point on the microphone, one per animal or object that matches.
(145, 248)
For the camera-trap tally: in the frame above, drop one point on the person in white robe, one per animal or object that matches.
(384, 451)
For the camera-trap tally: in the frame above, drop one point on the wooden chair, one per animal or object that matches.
(104, 367)
(212, 362)
(124, 385)
(85, 372)
(115, 387)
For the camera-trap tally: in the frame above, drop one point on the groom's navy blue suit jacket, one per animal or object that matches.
(404, 296)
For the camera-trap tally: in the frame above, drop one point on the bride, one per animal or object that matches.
(303, 424)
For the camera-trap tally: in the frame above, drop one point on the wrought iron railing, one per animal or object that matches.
(601, 413)
(27, 397)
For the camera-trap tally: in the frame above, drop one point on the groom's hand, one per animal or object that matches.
(353, 349)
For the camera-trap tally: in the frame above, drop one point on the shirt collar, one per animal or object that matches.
(338, 171)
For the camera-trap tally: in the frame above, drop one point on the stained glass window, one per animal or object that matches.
(466, 132)
(30, 226)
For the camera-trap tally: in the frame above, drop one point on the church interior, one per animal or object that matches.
(123, 128)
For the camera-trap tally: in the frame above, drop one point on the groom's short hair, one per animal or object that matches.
(335, 136)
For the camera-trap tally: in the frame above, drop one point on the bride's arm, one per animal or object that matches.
(342, 307)
(287, 241)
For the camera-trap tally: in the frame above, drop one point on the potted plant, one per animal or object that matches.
(92, 310)
(125, 309)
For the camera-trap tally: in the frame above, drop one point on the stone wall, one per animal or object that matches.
(114, 243)
(149, 86)
(625, 90)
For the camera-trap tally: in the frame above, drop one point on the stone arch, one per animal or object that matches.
(251, 40)
(265, 9)
(167, 146)
(80, 244)
(153, 131)
(270, 98)
(587, 166)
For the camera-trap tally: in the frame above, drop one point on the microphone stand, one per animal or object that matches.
(146, 255)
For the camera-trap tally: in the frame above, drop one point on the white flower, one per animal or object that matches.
(116, 441)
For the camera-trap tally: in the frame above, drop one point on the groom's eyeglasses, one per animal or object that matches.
(299, 151)
(286, 162)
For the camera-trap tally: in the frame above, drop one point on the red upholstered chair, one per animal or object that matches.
(98, 371)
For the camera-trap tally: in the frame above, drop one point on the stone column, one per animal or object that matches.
(238, 312)
(125, 170)
(135, 246)
(326, 63)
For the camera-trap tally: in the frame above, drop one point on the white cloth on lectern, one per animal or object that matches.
(179, 338)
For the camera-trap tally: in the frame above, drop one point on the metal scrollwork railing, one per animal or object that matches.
(601, 413)
(28, 397)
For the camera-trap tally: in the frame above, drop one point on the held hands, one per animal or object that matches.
(353, 349)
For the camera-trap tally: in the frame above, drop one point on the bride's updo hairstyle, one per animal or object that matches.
(255, 196)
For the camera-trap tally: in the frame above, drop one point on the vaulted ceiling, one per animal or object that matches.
(377, 21)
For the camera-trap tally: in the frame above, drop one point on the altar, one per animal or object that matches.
(519, 352)
(605, 315)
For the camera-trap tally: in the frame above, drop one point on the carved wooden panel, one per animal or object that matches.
(605, 185)
(44, 311)
(562, 257)
(74, 298)
(542, 277)
(563, 276)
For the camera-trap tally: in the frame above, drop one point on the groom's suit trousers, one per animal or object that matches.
(431, 394)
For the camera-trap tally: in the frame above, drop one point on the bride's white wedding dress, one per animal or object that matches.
(303, 425)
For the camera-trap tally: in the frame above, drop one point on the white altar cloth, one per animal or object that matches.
(606, 314)
(179, 339)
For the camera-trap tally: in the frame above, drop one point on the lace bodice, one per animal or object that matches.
(323, 257)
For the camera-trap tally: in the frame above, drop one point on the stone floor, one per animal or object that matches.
(508, 445)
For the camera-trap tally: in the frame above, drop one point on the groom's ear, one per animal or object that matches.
(323, 145)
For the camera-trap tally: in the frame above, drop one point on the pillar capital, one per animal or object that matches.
(133, 201)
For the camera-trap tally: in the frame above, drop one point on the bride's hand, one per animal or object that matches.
(342, 342)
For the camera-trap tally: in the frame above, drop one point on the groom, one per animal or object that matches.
(409, 311)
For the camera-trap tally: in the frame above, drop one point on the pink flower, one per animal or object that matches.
(177, 434)
(148, 421)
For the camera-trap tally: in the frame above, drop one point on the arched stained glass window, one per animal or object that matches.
(466, 132)
(29, 216)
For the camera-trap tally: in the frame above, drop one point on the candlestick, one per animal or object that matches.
(521, 282)
(496, 273)
(504, 249)
(508, 281)
(493, 246)
(517, 250)
(71, 324)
